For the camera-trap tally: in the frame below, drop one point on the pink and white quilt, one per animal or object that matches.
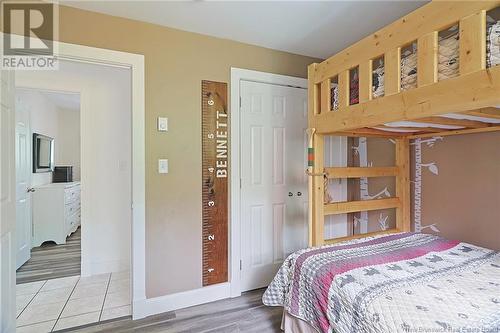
(406, 282)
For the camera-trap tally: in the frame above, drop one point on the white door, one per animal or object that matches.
(7, 204)
(23, 182)
(273, 181)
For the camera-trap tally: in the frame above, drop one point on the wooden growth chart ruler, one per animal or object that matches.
(215, 164)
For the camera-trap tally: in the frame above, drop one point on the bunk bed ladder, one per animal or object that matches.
(319, 209)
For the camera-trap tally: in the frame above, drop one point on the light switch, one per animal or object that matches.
(162, 166)
(162, 124)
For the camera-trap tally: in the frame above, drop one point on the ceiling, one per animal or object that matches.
(64, 100)
(313, 28)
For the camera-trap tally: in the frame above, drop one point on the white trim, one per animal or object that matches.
(237, 75)
(182, 300)
(135, 62)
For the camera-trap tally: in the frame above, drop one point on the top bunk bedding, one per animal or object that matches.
(448, 54)
(393, 283)
(493, 43)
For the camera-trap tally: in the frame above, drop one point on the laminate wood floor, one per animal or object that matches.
(52, 261)
(241, 314)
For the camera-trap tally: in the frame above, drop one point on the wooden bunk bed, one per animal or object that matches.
(396, 280)
(473, 92)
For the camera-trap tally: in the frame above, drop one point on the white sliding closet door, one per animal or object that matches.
(273, 180)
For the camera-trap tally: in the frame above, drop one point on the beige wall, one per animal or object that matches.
(463, 199)
(176, 62)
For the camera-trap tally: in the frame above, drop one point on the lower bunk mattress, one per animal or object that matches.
(405, 282)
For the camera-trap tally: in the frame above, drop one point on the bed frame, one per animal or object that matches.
(476, 92)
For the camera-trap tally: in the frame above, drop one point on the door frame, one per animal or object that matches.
(134, 62)
(238, 75)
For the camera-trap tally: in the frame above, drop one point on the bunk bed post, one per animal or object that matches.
(403, 184)
(316, 186)
(318, 215)
(325, 102)
(311, 105)
(313, 94)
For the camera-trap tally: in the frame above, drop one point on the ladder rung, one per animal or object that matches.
(345, 207)
(355, 172)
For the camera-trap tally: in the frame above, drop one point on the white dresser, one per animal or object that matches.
(56, 212)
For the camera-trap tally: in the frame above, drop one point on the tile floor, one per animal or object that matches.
(51, 305)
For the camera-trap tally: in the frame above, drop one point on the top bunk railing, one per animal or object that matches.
(343, 96)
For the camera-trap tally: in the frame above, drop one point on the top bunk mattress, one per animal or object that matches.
(394, 283)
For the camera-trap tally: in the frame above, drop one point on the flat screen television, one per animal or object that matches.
(43, 153)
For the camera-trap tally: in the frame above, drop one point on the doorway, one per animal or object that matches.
(81, 54)
(273, 120)
(97, 103)
(269, 187)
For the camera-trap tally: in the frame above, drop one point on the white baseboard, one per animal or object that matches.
(95, 268)
(152, 306)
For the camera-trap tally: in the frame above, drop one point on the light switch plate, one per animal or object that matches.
(162, 124)
(162, 166)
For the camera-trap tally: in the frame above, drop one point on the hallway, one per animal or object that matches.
(52, 261)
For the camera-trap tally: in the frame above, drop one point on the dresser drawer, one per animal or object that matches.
(71, 208)
(72, 194)
(72, 222)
